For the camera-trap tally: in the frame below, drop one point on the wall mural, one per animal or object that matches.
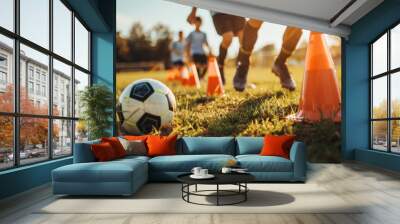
(203, 73)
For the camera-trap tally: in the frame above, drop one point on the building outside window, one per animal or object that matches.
(44, 77)
(385, 94)
(37, 75)
(34, 74)
(30, 72)
(3, 80)
(38, 89)
(30, 87)
(3, 61)
(43, 90)
(3, 72)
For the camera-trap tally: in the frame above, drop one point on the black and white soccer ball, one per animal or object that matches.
(144, 105)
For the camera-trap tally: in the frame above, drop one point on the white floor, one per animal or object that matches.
(377, 190)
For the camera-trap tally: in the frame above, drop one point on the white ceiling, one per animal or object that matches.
(328, 16)
(321, 9)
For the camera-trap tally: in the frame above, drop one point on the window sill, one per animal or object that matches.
(390, 161)
(30, 166)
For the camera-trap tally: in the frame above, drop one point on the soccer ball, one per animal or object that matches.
(145, 104)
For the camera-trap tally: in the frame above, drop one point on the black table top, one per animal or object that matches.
(220, 178)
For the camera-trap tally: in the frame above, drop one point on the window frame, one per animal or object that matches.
(388, 74)
(16, 115)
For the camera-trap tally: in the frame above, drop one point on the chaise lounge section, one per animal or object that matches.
(125, 176)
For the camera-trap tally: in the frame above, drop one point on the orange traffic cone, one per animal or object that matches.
(320, 97)
(184, 75)
(172, 74)
(193, 79)
(214, 86)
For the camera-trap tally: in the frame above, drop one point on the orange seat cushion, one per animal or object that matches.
(277, 145)
(103, 152)
(116, 145)
(161, 145)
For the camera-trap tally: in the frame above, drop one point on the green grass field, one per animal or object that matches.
(255, 112)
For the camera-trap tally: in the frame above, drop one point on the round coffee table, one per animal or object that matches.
(238, 179)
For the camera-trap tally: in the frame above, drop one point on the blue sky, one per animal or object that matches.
(151, 12)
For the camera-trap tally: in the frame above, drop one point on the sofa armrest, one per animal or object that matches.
(298, 155)
(83, 152)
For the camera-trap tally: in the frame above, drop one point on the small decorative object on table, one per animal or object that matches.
(232, 166)
(200, 173)
(231, 163)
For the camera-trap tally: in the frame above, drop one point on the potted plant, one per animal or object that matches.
(96, 103)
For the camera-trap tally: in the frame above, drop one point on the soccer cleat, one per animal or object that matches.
(282, 72)
(240, 78)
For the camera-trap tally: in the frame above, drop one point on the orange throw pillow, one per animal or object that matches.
(116, 145)
(161, 145)
(135, 137)
(277, 145)
(103, 152)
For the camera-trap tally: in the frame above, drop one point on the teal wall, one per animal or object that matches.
(356, 100)
(104, 52)
(24, 178)
(99, 16)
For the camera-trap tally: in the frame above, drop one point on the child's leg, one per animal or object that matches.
(203, 70)
(223, 49)
(250, 35)
(290, 39)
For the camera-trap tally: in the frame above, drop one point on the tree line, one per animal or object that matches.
(145, 45)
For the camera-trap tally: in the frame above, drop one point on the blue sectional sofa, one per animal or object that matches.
(125, 176)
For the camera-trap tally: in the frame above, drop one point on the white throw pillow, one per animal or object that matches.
(134, 147)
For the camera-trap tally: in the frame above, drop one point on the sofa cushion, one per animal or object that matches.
(161, 145)
(135, 137)
(133, 158)
(257, 163)
(277, 145)
(112, 171)
(185, 163)
(103, 152)
(206, 145)
(249, 145)
(116, 145)
(134, 147)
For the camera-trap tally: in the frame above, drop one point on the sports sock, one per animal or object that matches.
(221, 61)
(282, 56)
(222, 55)
(250, 35)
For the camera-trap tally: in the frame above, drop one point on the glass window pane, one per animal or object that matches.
(395, 47)
(35, 21)
(379, 135)
(379, 55)
(34, 72)
(395, 136)
(81, 131)
(6, 74)
(6, 142)
(62, 29)
(395, 94)
(7, 14)
(33, 140)
(62, 89)
(81, 45)
(81, 82)
(379, 97)
(62, 138)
